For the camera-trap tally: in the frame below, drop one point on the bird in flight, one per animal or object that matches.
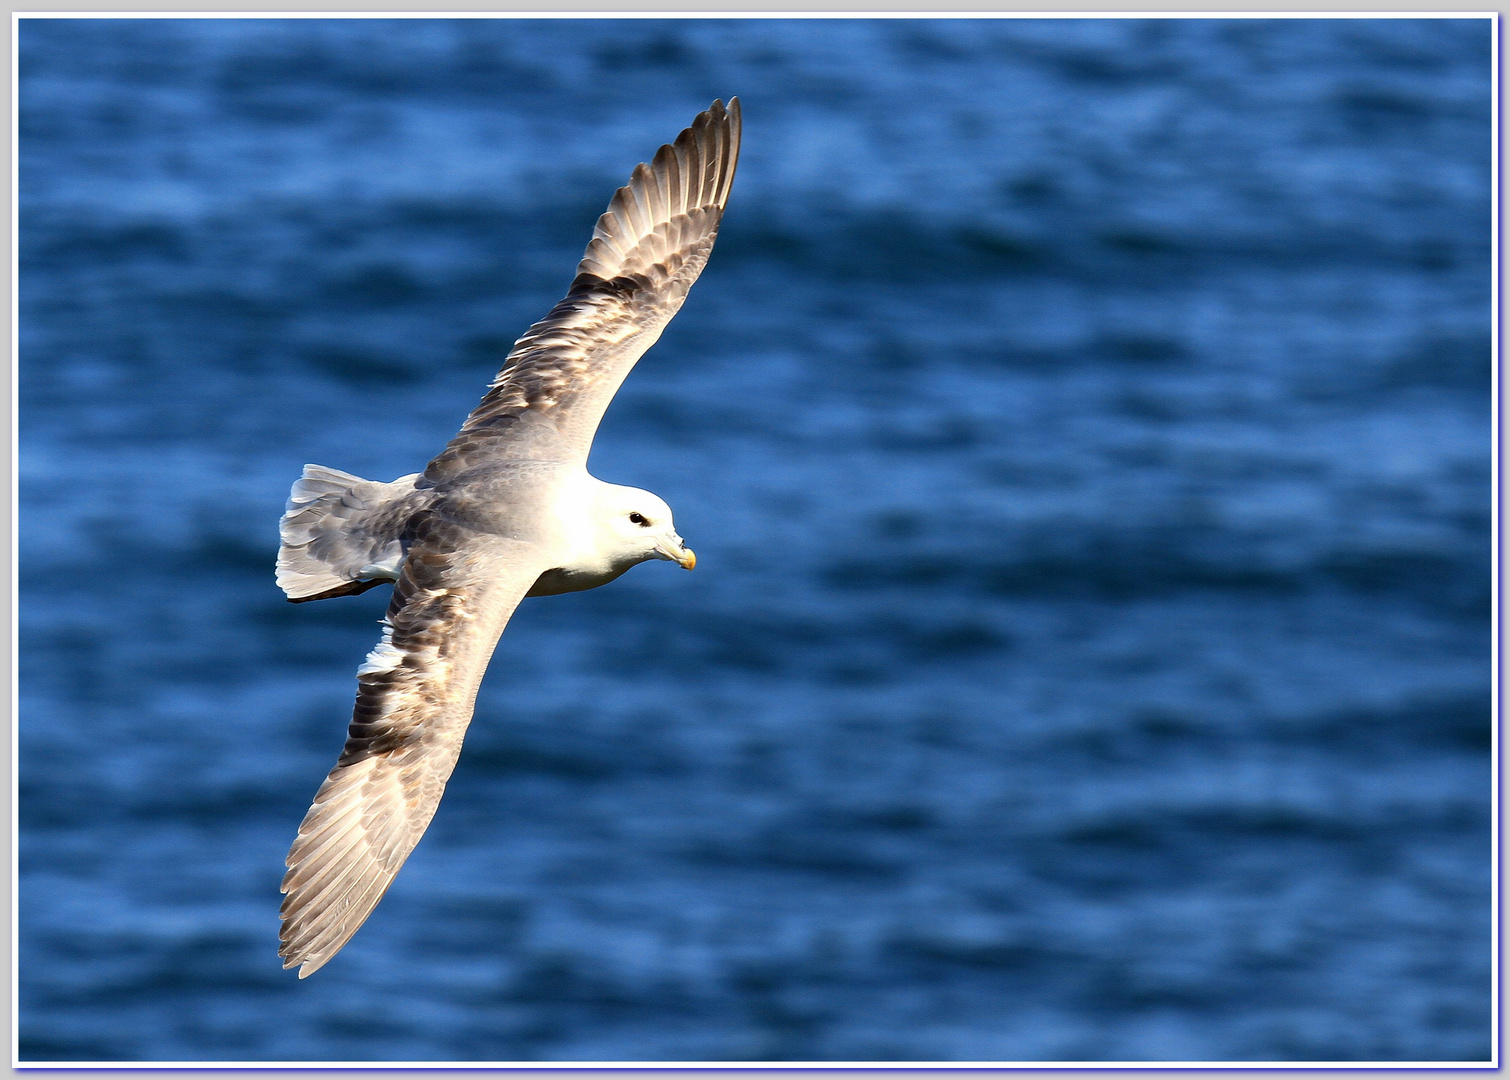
(507, 510)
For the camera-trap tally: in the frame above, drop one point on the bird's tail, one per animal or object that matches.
(341, 534)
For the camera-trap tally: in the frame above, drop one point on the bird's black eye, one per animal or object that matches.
(638, 519)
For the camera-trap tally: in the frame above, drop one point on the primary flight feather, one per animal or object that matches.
(506, 510)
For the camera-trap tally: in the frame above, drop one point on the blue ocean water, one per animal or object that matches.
(1083, 426)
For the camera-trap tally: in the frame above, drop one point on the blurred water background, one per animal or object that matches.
(1083, 426)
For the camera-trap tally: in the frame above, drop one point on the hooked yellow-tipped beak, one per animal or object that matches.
(677, 552)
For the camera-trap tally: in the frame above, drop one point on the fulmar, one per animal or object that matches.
(507, 510)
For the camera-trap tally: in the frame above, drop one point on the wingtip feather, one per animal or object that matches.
(691, 174)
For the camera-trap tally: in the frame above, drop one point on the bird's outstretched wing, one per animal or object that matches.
(645, 253)
(415, 695)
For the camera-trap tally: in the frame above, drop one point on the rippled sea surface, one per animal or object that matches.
(1083, 427)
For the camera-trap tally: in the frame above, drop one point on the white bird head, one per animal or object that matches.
(637, 526)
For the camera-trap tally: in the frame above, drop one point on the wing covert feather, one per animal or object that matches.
(415, 696)
(646, 251)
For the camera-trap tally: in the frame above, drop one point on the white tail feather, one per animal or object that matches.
(339, 529)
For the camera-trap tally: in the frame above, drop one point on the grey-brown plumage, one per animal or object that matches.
(505, 511)
(646, 251)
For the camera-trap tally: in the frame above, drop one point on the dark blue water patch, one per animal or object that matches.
(1150, 734)
(1126, 565)
(897, 245)
(1451, 362)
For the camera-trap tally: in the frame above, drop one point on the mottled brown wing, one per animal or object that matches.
(645, 253)
(415, 696)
